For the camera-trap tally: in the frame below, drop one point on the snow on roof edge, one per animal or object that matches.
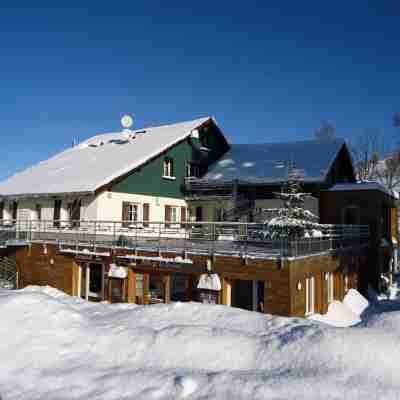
(364, 185)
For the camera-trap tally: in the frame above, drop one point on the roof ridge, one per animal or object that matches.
(146, 127)
(338, 139)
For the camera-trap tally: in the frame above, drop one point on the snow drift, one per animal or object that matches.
(58, 347)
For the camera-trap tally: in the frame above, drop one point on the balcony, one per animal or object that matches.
(246, 240)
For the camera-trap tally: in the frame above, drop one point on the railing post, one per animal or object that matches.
(159, 237)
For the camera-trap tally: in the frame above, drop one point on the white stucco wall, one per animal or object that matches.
(27, 208)
(109, 205)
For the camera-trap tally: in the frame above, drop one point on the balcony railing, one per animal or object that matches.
(225, 238)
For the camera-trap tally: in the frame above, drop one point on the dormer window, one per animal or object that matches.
(168, 169)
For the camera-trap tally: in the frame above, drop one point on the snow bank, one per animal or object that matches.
(356, 302)
(58, 347)
(338, 315)
(346, 313)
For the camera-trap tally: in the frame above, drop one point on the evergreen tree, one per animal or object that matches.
(293, 221)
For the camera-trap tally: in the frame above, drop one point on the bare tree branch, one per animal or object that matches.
(388, 171)
(366, 149)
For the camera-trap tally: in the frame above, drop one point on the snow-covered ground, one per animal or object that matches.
(53, 346)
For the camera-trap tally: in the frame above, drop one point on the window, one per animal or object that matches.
(310, 290)
(192, 170)
(133, 212)
(14, 210)
(329, 285)
(174, 214)
(219, 214)
(199, 214)
(171, 215)
(168, 171)
(130, 213)
(57, 213)
(38, 212)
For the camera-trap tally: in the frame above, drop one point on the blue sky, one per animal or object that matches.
(267, 70)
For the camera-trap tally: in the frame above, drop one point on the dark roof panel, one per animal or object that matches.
(267, 163)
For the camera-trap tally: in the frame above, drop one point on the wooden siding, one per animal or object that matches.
(344, 264)
(36, 268)
(281, 290)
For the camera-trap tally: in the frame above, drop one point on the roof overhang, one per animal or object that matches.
(23, 196)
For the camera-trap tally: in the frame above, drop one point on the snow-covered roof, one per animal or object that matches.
(97, 161)
(267, 163)
(367, 185)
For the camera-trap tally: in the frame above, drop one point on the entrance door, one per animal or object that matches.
(199, 214)
(92, 281)
(242, 294)
(178, 287)
(116, 290)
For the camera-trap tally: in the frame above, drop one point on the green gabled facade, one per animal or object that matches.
(200, 152)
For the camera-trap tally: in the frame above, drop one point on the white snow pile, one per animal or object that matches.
(346, 313)
(53, 346)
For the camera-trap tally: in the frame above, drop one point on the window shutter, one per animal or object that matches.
(146, 214)
(125, 213)
(183, 216)
(168, 215)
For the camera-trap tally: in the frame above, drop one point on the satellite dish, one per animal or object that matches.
(126, 121)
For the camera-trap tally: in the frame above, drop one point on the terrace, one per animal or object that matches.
(245, 240)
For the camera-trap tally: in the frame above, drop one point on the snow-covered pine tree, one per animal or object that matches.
(292, 220)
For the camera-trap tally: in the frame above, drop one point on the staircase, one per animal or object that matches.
(8, 273)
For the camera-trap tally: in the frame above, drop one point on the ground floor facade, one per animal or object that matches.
(288, 287)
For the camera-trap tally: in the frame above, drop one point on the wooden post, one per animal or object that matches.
(131, 286)
(87, 282)
(226, 291)
(146, 287)
(75, 279)
(255, 295)
(167, 288)
(103, 294)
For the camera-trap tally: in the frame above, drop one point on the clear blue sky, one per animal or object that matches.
(267, 70)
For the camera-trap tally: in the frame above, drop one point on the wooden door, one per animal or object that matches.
(199, 214)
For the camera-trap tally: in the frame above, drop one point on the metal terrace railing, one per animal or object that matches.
(224, 238)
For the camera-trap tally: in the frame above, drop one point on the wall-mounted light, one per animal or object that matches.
(298, 286)
(51, 261)
(326, 276)
(44, 249)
